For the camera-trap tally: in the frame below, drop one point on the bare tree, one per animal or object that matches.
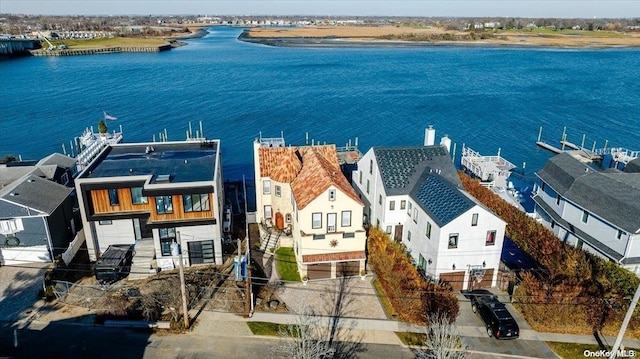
(443, 340)
(325, 334)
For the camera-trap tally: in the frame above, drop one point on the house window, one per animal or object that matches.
(318, 236)
(558, 200)
(368, 186)
(167, 237)
(428, 229)
(360, 173)
(137, 197)
(415, 215)
(379, 199)
(491, 238)
(422, 263)
(288, 218)
(542, 186)
(370, 166)
(346, 219)
(331, 222)
(113, 197)
(163, 204)
(453, 240)
(195, 202)
(392, 205)
(105, 222)
(316, 220)
(553, 224)
(64, 178)
(348, 235)
(409, 209)
(278, 191)
(266, 187)
(474, 220)
(403, 204)
(267, 211)
(408, 236)
(621, 233)
(388, 231)
(585, 216)
(332, 195)
(11, 226)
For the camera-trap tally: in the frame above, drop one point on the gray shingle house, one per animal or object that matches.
(598, 211)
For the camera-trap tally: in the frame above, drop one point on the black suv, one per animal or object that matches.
(499, 322)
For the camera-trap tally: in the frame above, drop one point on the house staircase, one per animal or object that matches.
(268, 238)
(141, 266)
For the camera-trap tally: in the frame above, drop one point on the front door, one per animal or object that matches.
(397, 236)
(331, 222)
(279, 221)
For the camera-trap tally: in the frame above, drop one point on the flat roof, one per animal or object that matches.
(181, 161)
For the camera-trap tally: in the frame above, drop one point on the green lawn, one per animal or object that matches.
(286, 265)
(409, 338)
(575, 351)
(109, 42)
(266, 328)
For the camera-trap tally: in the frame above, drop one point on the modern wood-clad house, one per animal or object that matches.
(147, 193)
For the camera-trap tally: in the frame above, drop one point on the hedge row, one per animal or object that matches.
(411, 297)
(579, 292)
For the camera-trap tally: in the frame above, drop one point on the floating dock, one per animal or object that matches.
(579, 152)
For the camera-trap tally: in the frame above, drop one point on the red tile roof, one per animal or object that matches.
(310, 170)
(333, 257)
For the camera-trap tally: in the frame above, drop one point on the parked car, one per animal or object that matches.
(497, 319)
(114, 264)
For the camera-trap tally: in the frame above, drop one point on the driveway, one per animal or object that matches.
(475, 336)
(19, 287)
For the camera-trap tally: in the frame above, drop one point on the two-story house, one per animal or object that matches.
(37, 216)
(302, 191)
(598, 211)
(146, 193)
(415, 195)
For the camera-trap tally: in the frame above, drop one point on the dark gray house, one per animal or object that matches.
(37, 217)
(598, 211)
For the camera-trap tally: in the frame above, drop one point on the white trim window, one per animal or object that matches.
(346, 219)
(316, 220)
(267, 212)
(278, 191)
(266, 187)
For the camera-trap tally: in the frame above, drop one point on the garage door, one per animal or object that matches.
(454, 279)
(348, 269)
(485, 281)
(319, 271)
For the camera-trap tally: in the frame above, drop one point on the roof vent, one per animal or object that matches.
(31, 180)
(149, 149)
(13, 194)
(130, 170)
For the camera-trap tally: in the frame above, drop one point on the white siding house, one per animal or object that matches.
(414, 194)
(302, 193)
(598, 211)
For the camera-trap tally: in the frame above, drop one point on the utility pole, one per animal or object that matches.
(625, 322)
(185, 310)
(246, 229)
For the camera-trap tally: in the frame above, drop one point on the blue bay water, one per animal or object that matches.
(487, 98)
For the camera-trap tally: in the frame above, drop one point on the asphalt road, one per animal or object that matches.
(60, 340)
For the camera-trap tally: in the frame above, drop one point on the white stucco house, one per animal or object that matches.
(415, 195)
(598, 211)
(301, 192)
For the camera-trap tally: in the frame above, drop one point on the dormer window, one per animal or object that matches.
(332, 195)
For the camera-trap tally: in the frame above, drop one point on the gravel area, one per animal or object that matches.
(360, 300)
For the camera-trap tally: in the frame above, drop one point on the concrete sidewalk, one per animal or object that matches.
(375, 331)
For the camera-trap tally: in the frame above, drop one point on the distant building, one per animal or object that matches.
(145, 193)
(415, 195)
(598, 211)
(301, 192)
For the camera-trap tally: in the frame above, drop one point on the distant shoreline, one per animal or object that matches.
(356, 37)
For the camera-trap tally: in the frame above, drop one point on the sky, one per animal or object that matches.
(433, 8)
